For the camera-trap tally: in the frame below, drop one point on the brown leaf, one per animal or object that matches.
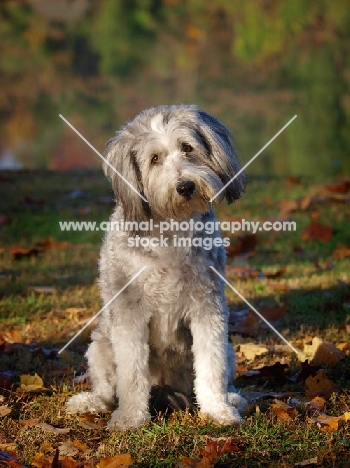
(293, 180)
(342, 187)
(244, 244)
(319, 385)
(273, 313)
(316, 403)
(327, 354)
(277, 274)
(245, 324)
(341, 251)
(4, 410)
(317, 231)
(18, 252)
(12, 336)
(67, 449)
(51, 244)
(283, 411)
(81, 446)
(123, 460)
(288, 206)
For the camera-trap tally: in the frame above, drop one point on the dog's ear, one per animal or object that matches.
(120, 155)
(223, 156)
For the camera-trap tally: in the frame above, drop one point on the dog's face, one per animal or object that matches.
(178, 157)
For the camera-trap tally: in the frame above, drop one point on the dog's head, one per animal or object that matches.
(177, 157)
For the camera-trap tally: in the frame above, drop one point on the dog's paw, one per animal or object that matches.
(121, 421)
(85, 402)
(224, 414)
(236, 400)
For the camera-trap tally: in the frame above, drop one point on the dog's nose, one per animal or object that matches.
(186, 188)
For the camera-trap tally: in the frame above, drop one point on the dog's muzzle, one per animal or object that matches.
(186, 189)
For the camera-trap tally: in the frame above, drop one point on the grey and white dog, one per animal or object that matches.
(169, 326)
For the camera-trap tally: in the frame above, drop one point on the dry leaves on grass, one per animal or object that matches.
(283, 411)
(329, 423)
(40, 460)
(210, 455)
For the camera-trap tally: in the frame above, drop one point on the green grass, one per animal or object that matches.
(318, 304)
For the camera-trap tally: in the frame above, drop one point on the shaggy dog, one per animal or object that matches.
(169, 326)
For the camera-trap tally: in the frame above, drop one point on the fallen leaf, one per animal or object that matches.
(118, 461)
(316, 403)
(310, 461)
(12, 336)
(288, 206)
(319, 385)
(317, 231)
(326, 423)
(283, 411)
(67, 449)
(51, 244)
(322, 352)
(277, 273)
(342, 187)
(4, 410)
(81, 446)
(244, 244)
(341, 251)
(251, 350)
(54, 430)
(294, 180)
(244, 322)
(18, 252)
(273, 313)
(30, 383)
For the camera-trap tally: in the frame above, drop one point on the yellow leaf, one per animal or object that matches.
(30, 383)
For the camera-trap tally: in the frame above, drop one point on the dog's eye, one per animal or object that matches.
(186, 147)
(155, 159)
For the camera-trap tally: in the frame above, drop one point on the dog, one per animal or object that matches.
(169, 327)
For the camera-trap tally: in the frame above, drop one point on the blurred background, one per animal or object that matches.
(253, 64)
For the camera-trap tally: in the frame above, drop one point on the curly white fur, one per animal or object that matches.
(169, 327)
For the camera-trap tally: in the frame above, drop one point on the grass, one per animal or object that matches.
(315, 288)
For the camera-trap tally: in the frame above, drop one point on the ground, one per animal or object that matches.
(298, 280)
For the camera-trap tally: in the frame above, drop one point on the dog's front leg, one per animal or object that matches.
(209, 333)
(131, 354)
